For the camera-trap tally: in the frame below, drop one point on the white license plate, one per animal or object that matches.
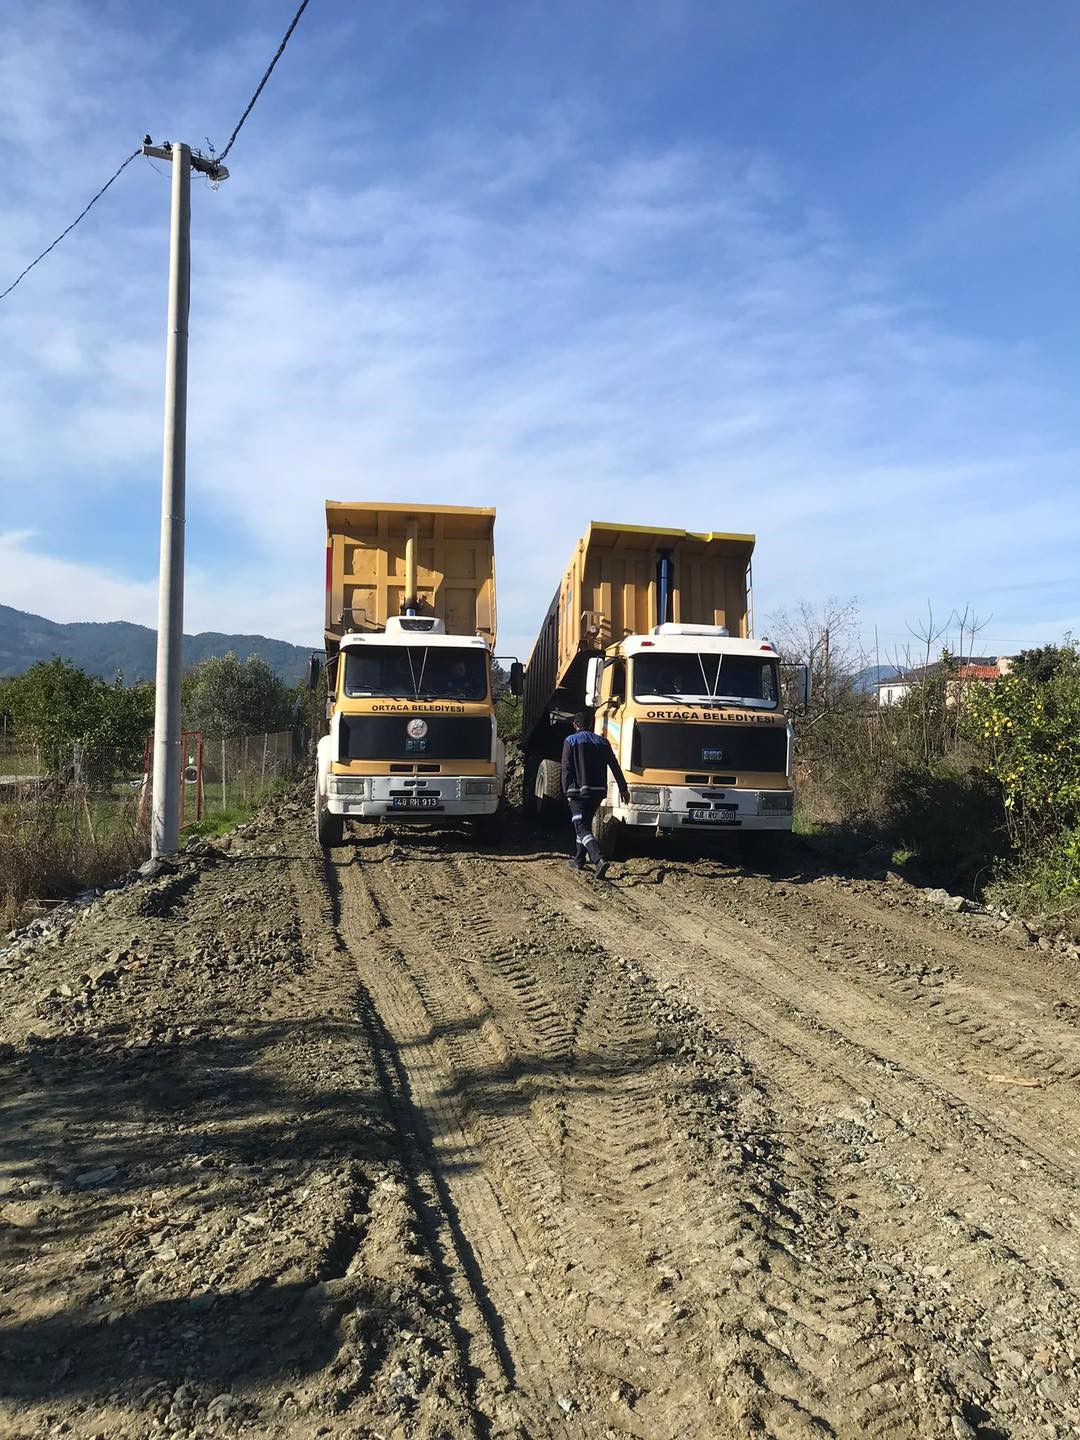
(713, 817)
(416, 802)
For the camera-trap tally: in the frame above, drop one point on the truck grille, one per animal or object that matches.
(386, 737)
(675, 746)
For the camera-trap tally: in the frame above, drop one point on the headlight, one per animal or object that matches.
(354, 786)
(775, 802)
(480, 787)
(645, 797)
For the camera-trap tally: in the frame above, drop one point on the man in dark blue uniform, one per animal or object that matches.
(586, 759)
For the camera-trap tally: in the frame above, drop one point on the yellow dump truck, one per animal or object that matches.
(650, 631)
(410, 630)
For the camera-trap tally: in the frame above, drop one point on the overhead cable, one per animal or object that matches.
(259, 88)
(71, 227)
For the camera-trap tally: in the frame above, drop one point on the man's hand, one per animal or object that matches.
(624, 795)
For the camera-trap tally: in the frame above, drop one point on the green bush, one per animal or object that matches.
(949, 817)
(228, 696)
(508, 716)
(899, 776)
(1045, 882)
(56, 706)
(1027, 730)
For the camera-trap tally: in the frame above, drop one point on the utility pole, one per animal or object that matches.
(165, 813)
(825, 664)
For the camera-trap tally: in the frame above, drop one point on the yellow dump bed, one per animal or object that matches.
(382, 560)
(615, 586)
(611, 587)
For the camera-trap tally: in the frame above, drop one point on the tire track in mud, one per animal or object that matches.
(324, 918)
(510, 1044)
(936, 1195)
(839, 990)
(994, 997)
(758, 1325)
(808, 1325)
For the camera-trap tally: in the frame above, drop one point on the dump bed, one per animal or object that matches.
(617, 584)
(376, 554)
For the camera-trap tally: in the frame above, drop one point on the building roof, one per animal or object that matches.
(974, 667)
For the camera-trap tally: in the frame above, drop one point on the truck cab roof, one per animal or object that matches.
(412, 630)
(696, 639)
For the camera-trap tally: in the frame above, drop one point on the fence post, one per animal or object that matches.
(224, 798)
(76, 777)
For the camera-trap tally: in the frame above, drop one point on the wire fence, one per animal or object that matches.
(239, 772)
(72, 820)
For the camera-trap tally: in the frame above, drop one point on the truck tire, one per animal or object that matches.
(610, 833)
(763, 849)
(547, 793)
(329, 828)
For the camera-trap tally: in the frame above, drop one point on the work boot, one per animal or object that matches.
(601, 870)
(577, 862)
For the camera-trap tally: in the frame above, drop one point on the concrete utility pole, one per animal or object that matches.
(165, 814)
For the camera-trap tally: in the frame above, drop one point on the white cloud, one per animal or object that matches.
(532, 319)
(65, 590)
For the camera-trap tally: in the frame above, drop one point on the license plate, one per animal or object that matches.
(713, 817)
(416, 802)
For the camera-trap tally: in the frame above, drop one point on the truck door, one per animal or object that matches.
(612, 696)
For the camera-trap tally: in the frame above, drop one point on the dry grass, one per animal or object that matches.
(51, 847)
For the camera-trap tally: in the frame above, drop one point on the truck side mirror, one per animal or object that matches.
(593, 671)
(517, 678)
(314, 670)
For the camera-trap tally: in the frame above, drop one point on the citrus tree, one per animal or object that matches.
(1027, 727)
(55, 706)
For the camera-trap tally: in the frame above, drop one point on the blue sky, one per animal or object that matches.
(803, 269)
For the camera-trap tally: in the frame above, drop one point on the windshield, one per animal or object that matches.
(703, 679)
(417, 672)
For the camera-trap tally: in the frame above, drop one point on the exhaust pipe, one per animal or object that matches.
(410, 568)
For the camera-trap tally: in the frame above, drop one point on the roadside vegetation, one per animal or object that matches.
(74, 798)
(967, 783)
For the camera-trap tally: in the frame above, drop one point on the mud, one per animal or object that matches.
(422, 1140)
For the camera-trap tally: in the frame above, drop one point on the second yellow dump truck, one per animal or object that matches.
(410, 631)
(649, 631)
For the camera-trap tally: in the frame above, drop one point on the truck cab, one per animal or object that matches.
(412, 733)
(694, 716)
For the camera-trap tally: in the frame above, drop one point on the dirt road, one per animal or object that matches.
(434, 1142)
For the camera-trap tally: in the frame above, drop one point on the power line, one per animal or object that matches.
(75, 222)
(258, 91)
(247, 111)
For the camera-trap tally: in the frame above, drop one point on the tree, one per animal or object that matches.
(1029, 732)
(1043, 663)
(227, 696)
(824, 638)
(57, 706)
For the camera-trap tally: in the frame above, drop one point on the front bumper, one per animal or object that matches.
(388, 797)
(683, 807)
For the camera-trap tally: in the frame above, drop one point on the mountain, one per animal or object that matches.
(104, 648)
(867, 680)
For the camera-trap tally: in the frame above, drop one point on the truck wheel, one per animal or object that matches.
(610, 833)
(763, 849)
(547, 792)
(329, 828)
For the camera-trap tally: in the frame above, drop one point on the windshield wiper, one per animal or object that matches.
(741, 701)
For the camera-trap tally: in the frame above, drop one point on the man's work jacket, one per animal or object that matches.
(586, 759)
